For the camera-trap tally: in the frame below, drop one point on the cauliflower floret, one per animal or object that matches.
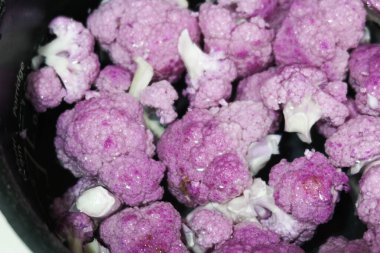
(249, 237)
(161, 96)
(44, 89)
(206, 228)
(98, 130)
(372, 237)
(209, 76)
(205, 151)
(355, 142)
(154, 228)
(368, 203)
(326, 129)
(319, 33)
(245, 42)
(342, 245)
(135, 178)
(249, 89)
(113, 79)
(257, 204)
(308, 188)
(299, 90)
(71, 56)
(364, 78)
(149, 29)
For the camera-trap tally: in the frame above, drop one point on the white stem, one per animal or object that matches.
(259, 153)
(97, 202)
(300, 118)
(154, 125)
(75, 245)
(195, 60)
(182, 3)
(95, 247)
(143, 76)
(52, 57)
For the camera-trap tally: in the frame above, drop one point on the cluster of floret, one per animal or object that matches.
(290, 60)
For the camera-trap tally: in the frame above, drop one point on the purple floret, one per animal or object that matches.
(113, 79)
(149, 29)
(151, 229)
(327, 130)
(250, 8)
(71, 56)
(208, 228)
(299, 90)
(319, 33)
(98, 130)
(248, 238)
(161, 96)
(342, 245)
(368, 204)
(205, 153)
(249, 88)
(364, 77)
(44, 89)
(355, 142)
(246, 42)
(308, 188)
(135, 179)
(372, 237)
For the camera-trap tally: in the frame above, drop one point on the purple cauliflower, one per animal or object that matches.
(342, 245)
(205, 151)
(249, 237)
(368, 203)
(319, 33)
(151, 229)
(150, 29)
(257, 204)
(300, 91)
(245, 42)
(372, 237)
(355, 143)
(209, 77)
(113, 79)
(249, 88)
(365, 79)
(135, 178)
(161, 96)
(308, 188)
(44, 89)
(98, 130)
(250, 8)
(206, 228)
(327, 130)
(71, 56)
